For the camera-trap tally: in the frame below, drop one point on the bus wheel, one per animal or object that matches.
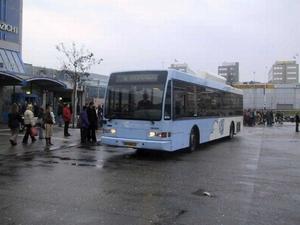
(140, 151)
(231, 131)
(193, 140)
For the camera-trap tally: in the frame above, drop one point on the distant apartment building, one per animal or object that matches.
(183, 67)
(284, 72)
(230, 71)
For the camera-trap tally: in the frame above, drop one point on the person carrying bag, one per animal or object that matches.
(29, 123)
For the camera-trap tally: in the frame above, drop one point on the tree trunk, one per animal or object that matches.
(74, 105)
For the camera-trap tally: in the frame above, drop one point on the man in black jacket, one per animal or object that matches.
(60, 114)
(92, 116)
(297, 122)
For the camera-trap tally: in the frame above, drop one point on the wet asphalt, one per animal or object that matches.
(252, 179)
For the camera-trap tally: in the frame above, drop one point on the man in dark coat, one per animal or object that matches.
(297, 122)
(84, 121)
(60, 114)
(92, 116)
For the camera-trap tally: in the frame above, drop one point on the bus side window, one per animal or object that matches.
(179, 104)
(179, 99)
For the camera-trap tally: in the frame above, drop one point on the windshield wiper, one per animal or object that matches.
(149, 117)
(113, 116)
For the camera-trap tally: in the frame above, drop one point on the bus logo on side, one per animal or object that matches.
(221, 126)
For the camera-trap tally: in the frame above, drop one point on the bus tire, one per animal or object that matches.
(193, 141)
(140, 151)
(231, 131)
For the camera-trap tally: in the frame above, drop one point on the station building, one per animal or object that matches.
(17, 84)
(271, 96)
(21, 82)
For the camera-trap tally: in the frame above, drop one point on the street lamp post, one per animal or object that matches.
(98, 87)
(99, 80)
(265, 94)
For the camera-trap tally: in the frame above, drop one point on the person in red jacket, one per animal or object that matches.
(67, 118)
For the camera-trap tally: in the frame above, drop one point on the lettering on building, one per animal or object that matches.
(8, 28)
(247, 86)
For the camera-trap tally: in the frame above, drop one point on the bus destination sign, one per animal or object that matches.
(124, 78)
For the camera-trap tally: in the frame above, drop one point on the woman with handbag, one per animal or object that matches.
(14, 120)
(29, 123)
(49, 120)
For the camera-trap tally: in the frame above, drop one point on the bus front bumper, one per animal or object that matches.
(138, 144)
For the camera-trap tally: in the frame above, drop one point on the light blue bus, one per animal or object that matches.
(168, 110)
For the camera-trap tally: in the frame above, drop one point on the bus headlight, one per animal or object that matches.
(159, 134)
(110, 131)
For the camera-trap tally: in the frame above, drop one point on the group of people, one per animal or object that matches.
(256, 117)
(89, 118)
(38, 118)
(45, 121)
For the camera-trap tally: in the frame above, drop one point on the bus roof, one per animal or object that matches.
(205, 82)
(172, 73)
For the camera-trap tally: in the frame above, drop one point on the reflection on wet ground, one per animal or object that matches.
(252, 173)
(95, 155)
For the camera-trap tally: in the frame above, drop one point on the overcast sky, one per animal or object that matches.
(144, 34)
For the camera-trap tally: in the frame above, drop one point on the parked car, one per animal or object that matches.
(290, 119)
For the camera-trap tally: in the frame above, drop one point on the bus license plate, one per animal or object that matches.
(130, 144)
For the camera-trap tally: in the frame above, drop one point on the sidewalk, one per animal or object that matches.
(58, 139)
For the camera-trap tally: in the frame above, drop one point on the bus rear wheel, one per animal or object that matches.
(193, 140)
(231, 131)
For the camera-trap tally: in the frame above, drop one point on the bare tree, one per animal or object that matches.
(76, 63)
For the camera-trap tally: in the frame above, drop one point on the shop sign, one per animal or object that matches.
(8, 28)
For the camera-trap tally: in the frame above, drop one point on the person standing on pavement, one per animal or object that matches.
(21, 125)
(67, 118)
(60, 114)
(24, 107)
(49, 121)
(14, 120)
(35, 109)
(297, 122)
(84, 124)
(92, 116)
(29, 122)
(40, 122)
(99, 114)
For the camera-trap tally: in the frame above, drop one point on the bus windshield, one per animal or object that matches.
(136, 96)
